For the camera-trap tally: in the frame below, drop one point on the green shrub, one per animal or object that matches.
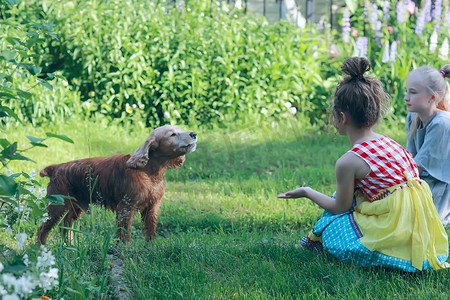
(200, 64)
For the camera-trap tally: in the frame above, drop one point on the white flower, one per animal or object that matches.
(433, 41)
(393, 51)
(8, 230)
(238, 4)
(65, 83)
(386, 57)
(25, 259)
(293, 110)
(11, 297)
(41, 193)
(288, 104)
(32, 173)
(443, 52)
(8, 172)
(3, 291)
(24, 285)
(1, 267)
(46, 259)
(264, 111)
(21, 238)
(166, 115)
(31, 189)
(48, 280)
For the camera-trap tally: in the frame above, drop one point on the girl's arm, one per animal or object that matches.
(346, 169)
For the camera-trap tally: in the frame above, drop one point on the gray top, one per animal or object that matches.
(430, 145)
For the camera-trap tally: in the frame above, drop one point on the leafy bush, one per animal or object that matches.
(197, 64)
(25, 87)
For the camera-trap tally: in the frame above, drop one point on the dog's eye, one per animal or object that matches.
(173, 134)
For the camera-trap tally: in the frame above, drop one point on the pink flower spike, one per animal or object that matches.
(333, 51)
(390, 29)
(355, 33)
(411, 7)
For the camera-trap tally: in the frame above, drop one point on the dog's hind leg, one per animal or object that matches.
(124, 216)
(73, 214)
(55, 213)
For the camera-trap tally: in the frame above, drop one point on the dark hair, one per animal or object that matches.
(361, 96)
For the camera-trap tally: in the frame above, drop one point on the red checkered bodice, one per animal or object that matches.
(387, 161)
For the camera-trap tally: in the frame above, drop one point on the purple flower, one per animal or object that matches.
(401, 10)
(420, 25)
(361, 46)
(374, 16)
(386, 58)
(320, 25)
(437, 11)
(447, 19)
(427, 9)
(393, 56)
(386, 5)
(346, 26)
(378, 34)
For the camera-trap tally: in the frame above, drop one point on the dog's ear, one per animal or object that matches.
(139, 158)
(176, 162)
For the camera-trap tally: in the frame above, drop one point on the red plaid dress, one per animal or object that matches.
(387, 161)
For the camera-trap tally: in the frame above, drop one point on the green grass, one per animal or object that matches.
(223, 234)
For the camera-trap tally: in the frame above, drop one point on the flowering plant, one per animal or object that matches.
(396, 36)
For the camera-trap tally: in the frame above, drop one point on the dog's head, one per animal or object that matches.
(166, 142)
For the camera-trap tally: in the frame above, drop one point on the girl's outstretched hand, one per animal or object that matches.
(297, 193)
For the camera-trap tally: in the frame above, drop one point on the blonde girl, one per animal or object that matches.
(428, 131)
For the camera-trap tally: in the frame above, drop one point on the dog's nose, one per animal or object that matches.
(193, 135)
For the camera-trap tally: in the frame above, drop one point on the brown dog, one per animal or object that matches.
(123, 183)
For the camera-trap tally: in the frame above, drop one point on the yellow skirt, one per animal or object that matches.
(401, 231)
(405, 224)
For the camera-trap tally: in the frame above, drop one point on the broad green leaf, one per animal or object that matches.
(12, 2)
(39, 145)
(45, 84)
(59, 136)
(4, 143)
(35, 139)
(24, 94)
(13, 41)
(55, 199)
(10, 150)
(8, 186)
(18, 156)
(8, 55)
(30, 68)
(10, 113)
(18, 267)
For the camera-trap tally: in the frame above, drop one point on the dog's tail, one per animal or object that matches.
(47, 171)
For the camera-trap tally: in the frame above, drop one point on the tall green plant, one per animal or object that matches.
(200, 63)
(25, 271)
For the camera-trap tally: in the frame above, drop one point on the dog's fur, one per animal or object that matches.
(123, 183)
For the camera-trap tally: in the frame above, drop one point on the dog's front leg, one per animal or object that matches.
(149, 217)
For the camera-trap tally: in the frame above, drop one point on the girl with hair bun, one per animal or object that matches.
(382, 213)
(428, 131)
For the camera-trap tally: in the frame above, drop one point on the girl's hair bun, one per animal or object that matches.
(355, 67)
(445, 71)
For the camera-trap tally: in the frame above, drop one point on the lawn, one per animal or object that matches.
(222, 233)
